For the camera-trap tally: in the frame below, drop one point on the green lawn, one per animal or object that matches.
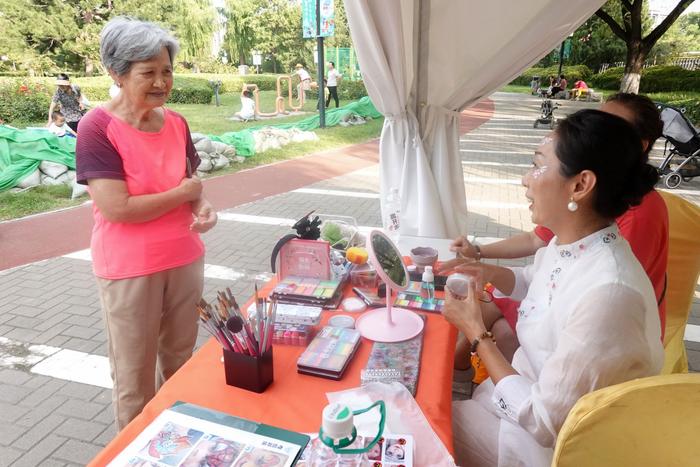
(35, 200)
(207, 119)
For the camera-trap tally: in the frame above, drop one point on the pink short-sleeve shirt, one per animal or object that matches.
(149, 163)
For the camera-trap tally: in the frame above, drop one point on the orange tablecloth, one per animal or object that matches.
(295, 401)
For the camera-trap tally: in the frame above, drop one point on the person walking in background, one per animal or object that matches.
(304, 82)
(333, 78)
(70, 99)
(138, 158)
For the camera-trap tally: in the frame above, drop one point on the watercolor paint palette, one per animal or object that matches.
(329, 353)
(411, 298)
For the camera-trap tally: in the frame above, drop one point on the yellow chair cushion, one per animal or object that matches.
(683, 270)
(645, 422)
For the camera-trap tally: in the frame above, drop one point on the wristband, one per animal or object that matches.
(477, 248)
(477, 341)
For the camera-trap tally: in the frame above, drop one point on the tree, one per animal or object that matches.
(682, 37)
(631, 30)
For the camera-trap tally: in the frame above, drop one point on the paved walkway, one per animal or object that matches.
(54, 383)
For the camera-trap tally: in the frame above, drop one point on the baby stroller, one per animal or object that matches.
(546, 114)
(682, 148)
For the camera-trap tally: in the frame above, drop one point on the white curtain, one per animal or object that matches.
(423, 61)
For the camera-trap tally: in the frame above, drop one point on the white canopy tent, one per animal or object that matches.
(423, 61)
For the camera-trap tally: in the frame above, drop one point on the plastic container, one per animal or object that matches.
(292, 334)
(458, 284)
(427, 286)
(363, 276)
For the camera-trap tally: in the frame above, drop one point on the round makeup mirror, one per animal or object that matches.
(388, 324)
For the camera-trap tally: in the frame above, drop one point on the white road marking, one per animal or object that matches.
(80, 367)
(351, 194)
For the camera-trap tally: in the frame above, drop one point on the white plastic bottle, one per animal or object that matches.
(427, 286)
(392, 221)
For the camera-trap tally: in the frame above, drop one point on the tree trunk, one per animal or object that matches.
(89, 66)
(636, 55)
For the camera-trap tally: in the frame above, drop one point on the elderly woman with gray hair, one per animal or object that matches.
(137, 158)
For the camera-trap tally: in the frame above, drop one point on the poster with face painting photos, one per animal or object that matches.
(392, 450)
(178, 440)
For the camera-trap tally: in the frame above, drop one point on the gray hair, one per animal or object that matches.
(125, 40)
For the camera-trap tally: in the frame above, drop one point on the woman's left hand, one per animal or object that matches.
(465, 314)
(205, 216)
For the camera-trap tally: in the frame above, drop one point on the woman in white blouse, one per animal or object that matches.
(588, 317)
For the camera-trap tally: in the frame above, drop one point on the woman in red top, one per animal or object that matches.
(645, 227)
(137, 158)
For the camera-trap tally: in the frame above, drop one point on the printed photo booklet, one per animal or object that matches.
(187, 435)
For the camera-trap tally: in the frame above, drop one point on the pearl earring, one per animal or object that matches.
(573, 205)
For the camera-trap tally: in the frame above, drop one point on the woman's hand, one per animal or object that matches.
(191, 188)
(463, 248)
(205, 216)
(468, 266)
(465, 314)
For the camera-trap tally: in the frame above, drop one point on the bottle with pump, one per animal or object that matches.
(427, 287)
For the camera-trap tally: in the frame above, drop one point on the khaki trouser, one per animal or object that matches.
(151, 324)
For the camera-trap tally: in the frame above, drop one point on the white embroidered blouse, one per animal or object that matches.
(588, 319)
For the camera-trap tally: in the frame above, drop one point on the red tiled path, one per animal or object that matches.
(57, 233)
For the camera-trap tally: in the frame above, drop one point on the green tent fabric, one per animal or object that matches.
(245, 144)
(21, 152)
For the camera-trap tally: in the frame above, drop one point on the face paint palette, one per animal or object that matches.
(411, 298)
(308, 291)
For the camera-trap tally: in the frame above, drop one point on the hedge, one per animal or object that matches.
(663, 78)
(28, 99)
(347, 91)
(573, 73)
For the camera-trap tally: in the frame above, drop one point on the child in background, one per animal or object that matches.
(58, 125)
(247, 111)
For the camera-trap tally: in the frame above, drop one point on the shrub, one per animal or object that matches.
(573, 73)
(188, 90)
(662, 78)
(24, 100)
(233, 83)
(609, 79)
(347, 91)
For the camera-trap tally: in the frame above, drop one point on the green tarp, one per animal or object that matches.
(245, 144)
(21, 152)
